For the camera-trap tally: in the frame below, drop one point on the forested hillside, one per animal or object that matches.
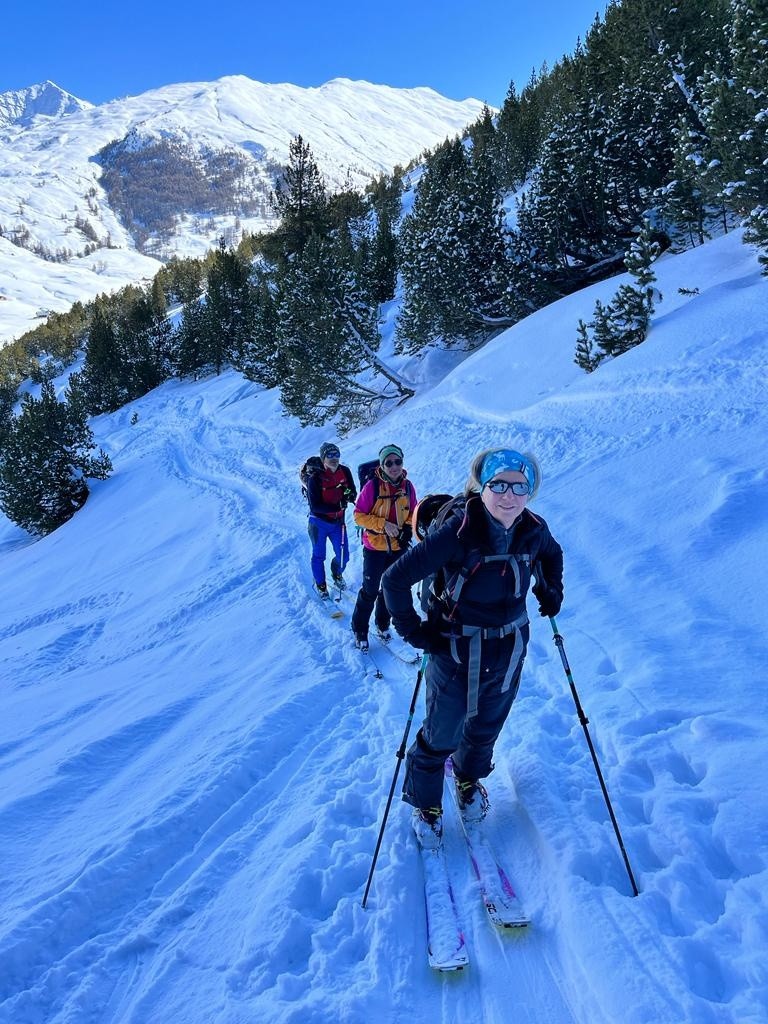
(651, 135)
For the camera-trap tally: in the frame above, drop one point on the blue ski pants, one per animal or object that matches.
(320, 531)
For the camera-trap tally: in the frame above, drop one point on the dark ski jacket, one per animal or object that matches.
(491, 593)
(329, 493)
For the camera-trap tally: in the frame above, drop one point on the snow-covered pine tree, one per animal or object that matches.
(380, 265)
(190, 340)
(428, 248)
(735, 112)
(605, 339)
(682, 200)
(258, 357)
(632, 306)
(144, 339)
(45, 461)
(749, 48)
(624, 322)
(453, 257)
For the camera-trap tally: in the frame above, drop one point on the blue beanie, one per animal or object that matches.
(502, 460)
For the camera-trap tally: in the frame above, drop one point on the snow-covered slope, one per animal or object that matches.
(194, 759)
(50, 177)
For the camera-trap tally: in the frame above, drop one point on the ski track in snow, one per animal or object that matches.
(124, 933)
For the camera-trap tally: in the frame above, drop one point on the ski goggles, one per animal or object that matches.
(502, 486)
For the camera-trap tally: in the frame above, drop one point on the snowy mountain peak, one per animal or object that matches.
(94, 198)
(20, 107)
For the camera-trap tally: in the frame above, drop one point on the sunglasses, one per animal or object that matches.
(502, 486)
(332, 455)
(393, 462)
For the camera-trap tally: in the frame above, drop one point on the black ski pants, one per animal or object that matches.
(375, 563)
(448, 732)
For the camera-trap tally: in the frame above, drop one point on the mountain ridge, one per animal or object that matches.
(54, 205)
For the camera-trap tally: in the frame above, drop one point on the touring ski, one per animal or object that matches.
(330, 606)
(408, 657)
(447, 948)
(365, 653)
(500, 899)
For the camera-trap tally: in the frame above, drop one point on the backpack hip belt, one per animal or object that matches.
(476, 635)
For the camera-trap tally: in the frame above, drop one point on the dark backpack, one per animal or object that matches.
(314, 464)
(430, 513)
(367, 471)
(438, 510)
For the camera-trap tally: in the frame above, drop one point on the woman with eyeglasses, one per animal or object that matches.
(481, 553)
(384, 510)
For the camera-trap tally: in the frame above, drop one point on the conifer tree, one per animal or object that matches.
(144, 344)
(509, 155)
(45, 461)
(190, 340)
(102, 367)
(683, 200)
(605, 337)
(453, 257)
(328, 337)
(586, 355)
(735, 113)
(300, 200)
(259, 356)
(322, 320)
(382, 261)
(229, 307)
(624, 322)
(8, 393)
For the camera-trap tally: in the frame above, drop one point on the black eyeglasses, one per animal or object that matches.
(393, 462)
(502, 486)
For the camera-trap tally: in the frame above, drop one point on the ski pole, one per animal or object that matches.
(584, 723)
(400, 758)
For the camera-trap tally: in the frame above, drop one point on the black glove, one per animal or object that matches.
(349, 494)
(426, 637)
(550, 600)
(405, 536)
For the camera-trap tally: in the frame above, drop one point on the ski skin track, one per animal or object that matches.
(499, 898)
(331, 606)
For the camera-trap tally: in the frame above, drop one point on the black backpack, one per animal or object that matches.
(438, 509)
(313, 465)
(367, 471)
(430, 513)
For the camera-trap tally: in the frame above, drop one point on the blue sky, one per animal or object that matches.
(100, 51)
